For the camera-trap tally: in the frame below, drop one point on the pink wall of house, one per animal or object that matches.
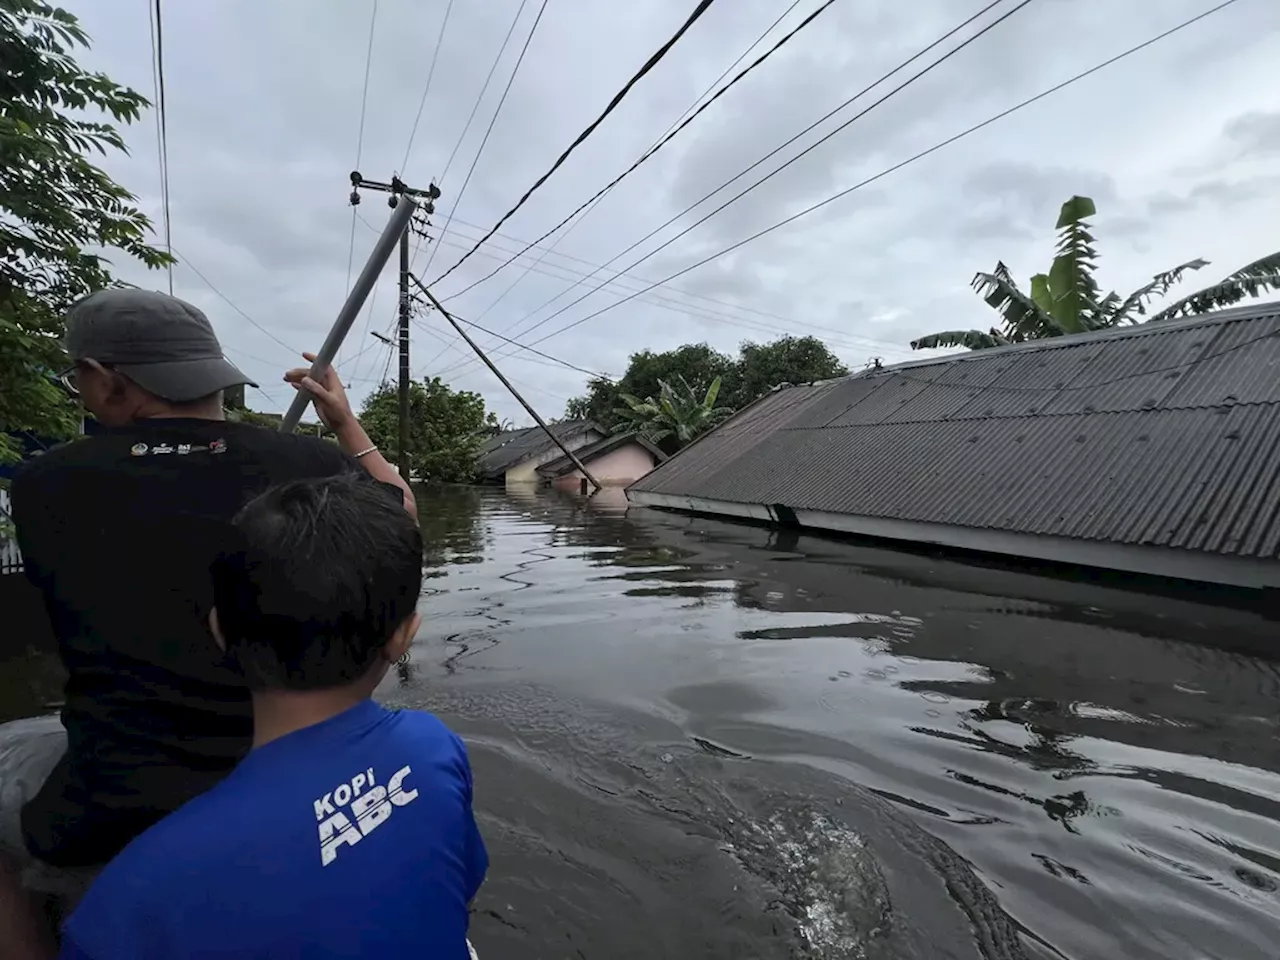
(616, 468)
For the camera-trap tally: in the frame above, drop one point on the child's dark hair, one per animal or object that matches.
(320, 575)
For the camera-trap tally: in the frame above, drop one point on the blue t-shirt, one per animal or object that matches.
(351, 838)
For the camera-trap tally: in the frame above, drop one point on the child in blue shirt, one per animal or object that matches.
(348, 829)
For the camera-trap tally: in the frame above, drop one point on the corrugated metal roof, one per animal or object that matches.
(1165, 434)
(500, 453)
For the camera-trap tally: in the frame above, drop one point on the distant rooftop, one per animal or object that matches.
(505, 450)
(1155, 436)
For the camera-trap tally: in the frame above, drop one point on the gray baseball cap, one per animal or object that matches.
(161, 343)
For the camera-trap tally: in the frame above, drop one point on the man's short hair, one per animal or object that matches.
(320, 575)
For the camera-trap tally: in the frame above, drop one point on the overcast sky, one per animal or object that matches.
(1179, 145)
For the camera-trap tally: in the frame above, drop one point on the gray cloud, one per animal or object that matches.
(264, 112)
(1256, 133)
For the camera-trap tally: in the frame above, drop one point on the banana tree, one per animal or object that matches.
(1066, 300)
(676, 418)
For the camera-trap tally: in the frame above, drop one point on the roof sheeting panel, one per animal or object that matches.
(1241, 366)
(504, 451)
(1116, 450)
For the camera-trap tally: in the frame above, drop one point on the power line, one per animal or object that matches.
(475, 108)
(162, 124)
(452, 344)
(413, 133)
(662, 142)
(742, 56)
(849, 341)
(840, 339)
(431, 71)
(227, 300)
(619, 275)
(898, 166)
(779, 169)
(496, 113)
(600, 198)
(563, 363)
(767, 156)
(364, 104)
(661, 52)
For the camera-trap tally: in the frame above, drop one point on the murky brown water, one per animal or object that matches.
(694, 739)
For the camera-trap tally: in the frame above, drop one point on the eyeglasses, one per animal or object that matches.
(69, 377)
(68, 380)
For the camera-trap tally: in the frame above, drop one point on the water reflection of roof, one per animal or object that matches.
(1160, 436)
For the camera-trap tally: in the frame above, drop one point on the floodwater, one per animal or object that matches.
(695, 739)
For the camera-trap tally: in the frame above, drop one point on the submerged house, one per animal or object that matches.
(615, 461)
(514, 456)
(1152, 449)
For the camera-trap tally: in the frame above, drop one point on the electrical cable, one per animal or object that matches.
(162, 124)
(209, 283)
(696, 311)
(661, 52)
(757, 163)
(475, 108)
(742, 56)
(431, 71)
(563, 363)
(799, 324)
(455, 345)
(364, 104)
(659, 145)
(832, 336)
(776, 150)
(496, 113)
(546, 251)
(898, 166)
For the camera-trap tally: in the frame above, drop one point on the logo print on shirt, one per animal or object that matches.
(139, 449)
(162, 448)
(218, 446)
(370, 805)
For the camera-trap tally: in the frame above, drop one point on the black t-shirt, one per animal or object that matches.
(118, 531)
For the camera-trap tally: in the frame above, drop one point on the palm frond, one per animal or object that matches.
(1158, 287)
(1041, 295)
(1249, 281)
(1074, 291)
(713, 391)
(971, 339)
(1020, 313)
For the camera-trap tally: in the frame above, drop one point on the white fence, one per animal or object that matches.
(10, 558)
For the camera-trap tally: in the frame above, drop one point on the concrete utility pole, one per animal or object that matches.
(356, 296)
(397, 188)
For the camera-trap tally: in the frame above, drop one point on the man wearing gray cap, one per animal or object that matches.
(118, 531)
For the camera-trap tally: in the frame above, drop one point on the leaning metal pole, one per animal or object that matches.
(395, 228)
(506, 383)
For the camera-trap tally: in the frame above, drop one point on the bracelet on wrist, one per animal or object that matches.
(365, 452)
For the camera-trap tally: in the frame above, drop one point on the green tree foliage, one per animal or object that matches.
(598, 404)
(58, 212)
(757, 369)
(1067, 299)
(761, 367)
(446, 428)
(697, 363)
(676, 417)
